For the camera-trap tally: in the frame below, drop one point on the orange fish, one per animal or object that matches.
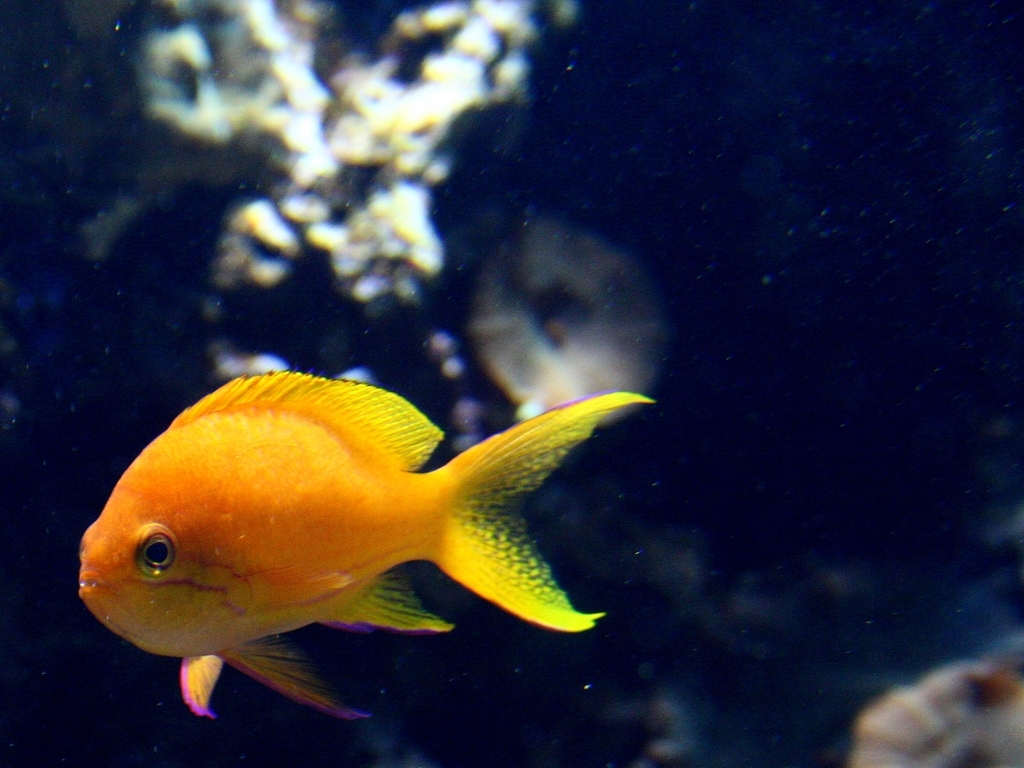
(286, 499)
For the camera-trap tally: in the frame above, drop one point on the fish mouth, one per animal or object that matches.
(89, 579)
(100, 598)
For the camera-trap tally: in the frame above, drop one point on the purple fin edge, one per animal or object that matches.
(192, 703)
(580, 399)
(363, 628)
(341, 712)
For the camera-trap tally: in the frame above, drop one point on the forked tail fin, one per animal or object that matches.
(485, 546)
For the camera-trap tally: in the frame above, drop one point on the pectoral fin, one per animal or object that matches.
(388, 603)
(296, 585)
(198, 677)
(285, 669)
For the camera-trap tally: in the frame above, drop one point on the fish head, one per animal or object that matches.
(148, 579)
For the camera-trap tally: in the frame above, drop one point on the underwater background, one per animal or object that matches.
(827, 200)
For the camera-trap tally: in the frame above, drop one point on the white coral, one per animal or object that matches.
(244, 68)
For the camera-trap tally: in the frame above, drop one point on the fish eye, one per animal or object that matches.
(156, 550)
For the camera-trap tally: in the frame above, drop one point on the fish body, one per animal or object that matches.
(284, 500)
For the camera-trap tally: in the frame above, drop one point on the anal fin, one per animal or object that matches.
(283, 668)
(387, 603)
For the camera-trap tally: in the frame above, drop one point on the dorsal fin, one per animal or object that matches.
(373, 418)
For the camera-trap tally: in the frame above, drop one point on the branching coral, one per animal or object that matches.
(354, 155)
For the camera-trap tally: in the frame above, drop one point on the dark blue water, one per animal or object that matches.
(830, 197)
